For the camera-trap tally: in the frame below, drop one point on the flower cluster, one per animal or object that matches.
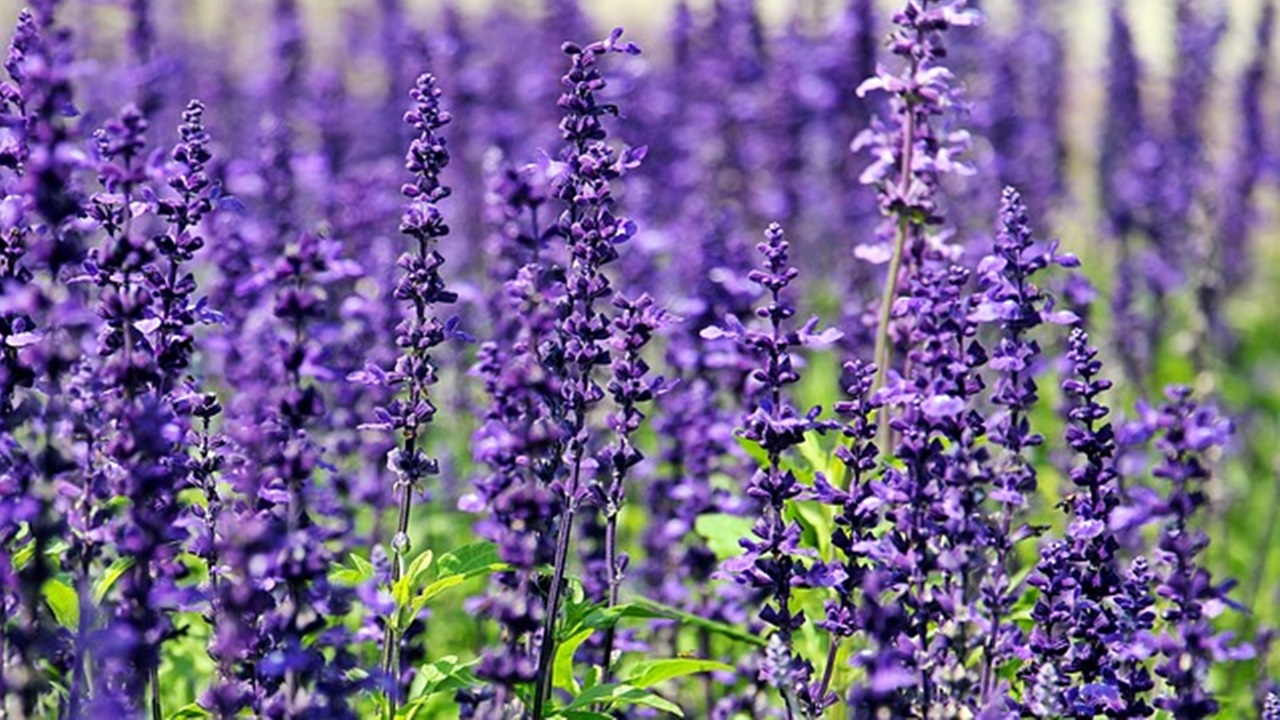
(227, 355)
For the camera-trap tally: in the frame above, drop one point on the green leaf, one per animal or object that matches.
(603, 618)
(414, 710)
(23, 556)
(616, 695)
(817, 522)
(346, 577)
(189, 712)
(718, 628)
(455, 568)
(562, 667)
(109, 578)
(814, 454)
(360, 572)
(364, 567)
(477, 557)
(448, 675)
(418, 568)
(649, 673)
(435, 588)
(722, 532)
(583, 715)
(64, 602)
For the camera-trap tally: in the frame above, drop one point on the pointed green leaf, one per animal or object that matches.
(189, 712)
(109, 578)
(364, 567)
(649, 673)
(615, 695)
(418, 568)
(448, 675)
(477, 557)
(718, 628)
(562, 667)
(64, 602)
(722, 532)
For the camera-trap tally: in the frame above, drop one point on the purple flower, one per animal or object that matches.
(773, 561)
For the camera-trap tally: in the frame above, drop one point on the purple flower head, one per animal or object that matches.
(773, 562)
(917, 147)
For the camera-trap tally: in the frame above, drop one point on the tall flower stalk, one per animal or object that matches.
(773, 562)
(421, 289)
(630, 385)
(911, 153)
(592, 233)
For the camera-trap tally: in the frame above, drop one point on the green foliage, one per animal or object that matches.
(722, 532)
(64, 602)
(648, 673)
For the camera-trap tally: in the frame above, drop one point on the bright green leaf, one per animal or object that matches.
(722, 532)
(364, 567)
(448, 675)
(651, 672)
(718, 628)
(418, 568)
(64, 602)
(189, 712)
(562, 667)
(478, 557)
(616, 695)
(109, 578)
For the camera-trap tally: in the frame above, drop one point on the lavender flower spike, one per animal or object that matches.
(592, 233)
(420, 287)
(773, 561)
(911, 156)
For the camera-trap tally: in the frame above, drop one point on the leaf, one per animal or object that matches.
(478, 557)
(64, 602)
(360, 572)
(189, 712)
(455, 568)
(817, 521)
(603, 618)
(649, 673)
(418, 568)
(23, 556)
(413, 710)
(435, 588)
(618, 695)
(718, 628)
(583, 715)
(814, 454)
(109, 578)
(562, 667)
(346, 577)
(722, 532)
(448, 675)
(364, 567)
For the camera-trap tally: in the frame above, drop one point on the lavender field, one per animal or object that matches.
(842, 360)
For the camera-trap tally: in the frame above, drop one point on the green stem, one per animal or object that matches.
(884, 348)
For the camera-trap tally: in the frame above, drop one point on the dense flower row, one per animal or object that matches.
(250, 417)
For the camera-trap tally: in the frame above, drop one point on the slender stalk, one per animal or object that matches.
(156, 712)
(883, 348)
(830, 669)
(546, 653)
(611, 561)
(391, 637)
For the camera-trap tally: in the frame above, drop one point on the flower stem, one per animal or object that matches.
(883, 347)
(546, 653)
